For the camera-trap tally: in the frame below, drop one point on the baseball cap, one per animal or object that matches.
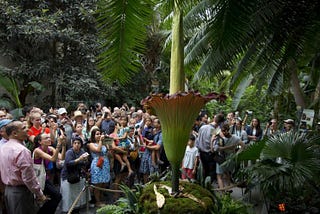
(62, 111)
(289, 121)
(4, 122)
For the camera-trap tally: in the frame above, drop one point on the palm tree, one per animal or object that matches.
(265, 42)
(288, 164)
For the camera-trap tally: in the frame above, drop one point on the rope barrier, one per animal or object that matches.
(77, 199)
(86, 188)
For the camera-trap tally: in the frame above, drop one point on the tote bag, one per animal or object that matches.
(40, 171)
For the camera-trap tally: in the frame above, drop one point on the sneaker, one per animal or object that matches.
(160, 162)
(122, 167)
(130, 174)
(100, 204)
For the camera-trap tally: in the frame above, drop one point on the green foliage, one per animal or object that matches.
(127, 205)
(123, 31)
(288, 165)
(53, 43)
(226, 205)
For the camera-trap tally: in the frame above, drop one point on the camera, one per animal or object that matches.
(249, 112)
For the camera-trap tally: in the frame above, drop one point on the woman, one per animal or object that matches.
(48, 154)
(36, 128)
(75, 161)
(254, 131)
(100, 167)
(237, 130)
(79, 131)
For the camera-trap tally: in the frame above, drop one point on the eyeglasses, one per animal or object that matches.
(2, 116)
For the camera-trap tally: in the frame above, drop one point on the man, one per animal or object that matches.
(65, 123)
(271, 128)
(17, 173)
(203, 143)
(3, 134)
(231, 143)
(3, 115)
(288, 125)
(107, 124)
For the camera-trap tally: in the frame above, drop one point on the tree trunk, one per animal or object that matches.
(177, 52)
(295, 86)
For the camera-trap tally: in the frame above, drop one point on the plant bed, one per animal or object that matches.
(192, 198)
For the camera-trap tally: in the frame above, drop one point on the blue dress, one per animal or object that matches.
(100, 175)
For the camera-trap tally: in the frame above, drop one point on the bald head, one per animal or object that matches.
(17, 130)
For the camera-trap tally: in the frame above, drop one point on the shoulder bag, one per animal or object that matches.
(73, 173)
(40, 172)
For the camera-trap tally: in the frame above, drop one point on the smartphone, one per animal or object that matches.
(86, 154)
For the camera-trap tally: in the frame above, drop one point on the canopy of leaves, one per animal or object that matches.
(53, 43)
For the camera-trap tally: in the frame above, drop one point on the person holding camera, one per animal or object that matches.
(271, 128)
(73, 176)
(65, 123)
(49, 155)
(100, 166)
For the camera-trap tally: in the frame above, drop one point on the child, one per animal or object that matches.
(147, 134)
(190, 160)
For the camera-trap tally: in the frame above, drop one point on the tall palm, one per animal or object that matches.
(267, 39)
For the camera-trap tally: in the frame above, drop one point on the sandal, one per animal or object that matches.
(122, 167)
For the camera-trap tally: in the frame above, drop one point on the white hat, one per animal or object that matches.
(289, 121)
(62, 111)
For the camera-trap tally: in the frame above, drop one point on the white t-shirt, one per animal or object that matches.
(190, 157)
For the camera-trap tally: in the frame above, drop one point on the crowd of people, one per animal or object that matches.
(105, 147)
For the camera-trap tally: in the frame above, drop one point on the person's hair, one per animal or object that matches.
(93, 134)
(192, 137)
(78, 138)
(37, 140)
(52, 116)
(157, 121)
(258, 125)
(219, 118)
(225, 126)
(11, 127)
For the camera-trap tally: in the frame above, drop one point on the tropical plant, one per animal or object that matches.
(54, 44)
(225, 204)
(287, 164)
(127, 205)
(260, 42)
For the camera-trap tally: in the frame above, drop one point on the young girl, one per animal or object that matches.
(190, 160)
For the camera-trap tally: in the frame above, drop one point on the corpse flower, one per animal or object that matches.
(177, 113)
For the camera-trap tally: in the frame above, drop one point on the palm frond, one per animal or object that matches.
(122, 27)
(11, 86)
(286, 162)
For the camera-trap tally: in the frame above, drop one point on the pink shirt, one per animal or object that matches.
(16, 167)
